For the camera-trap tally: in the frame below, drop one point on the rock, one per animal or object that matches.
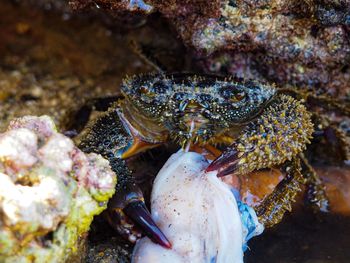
(49, 192)
(291, 43)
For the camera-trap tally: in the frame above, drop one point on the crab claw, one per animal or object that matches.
(225, 164)
(129, 216)
(139, 214)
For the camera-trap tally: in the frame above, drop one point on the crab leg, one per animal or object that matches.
(110, 137)
(278, 135)
(315, 193)
(261, 146)
(333, 135)
(82, 114)
(271, 210)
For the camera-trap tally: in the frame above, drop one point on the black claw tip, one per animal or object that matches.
(224, 164)
(139, 214)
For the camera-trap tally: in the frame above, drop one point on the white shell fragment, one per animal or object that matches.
(198, 213)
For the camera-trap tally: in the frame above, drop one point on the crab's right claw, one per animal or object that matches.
(226, 163)
(128, 214)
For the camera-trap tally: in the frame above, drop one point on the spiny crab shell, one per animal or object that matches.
(279, 134)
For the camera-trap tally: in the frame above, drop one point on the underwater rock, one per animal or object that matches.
(116, 6)
(49, 192)
(198, 213)
(291, 43)
(275, 41)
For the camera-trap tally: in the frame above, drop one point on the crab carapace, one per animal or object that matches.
(259, 127)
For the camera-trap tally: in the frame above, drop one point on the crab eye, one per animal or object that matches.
(238, 96)
(146, 91)
(232, 94)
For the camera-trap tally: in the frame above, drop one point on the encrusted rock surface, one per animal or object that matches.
(292, 43)
(49, 192)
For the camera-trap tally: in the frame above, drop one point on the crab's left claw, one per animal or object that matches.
(138, 212)
(225, 164)
(128, 214)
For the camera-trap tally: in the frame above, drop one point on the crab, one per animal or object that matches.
(255, 125)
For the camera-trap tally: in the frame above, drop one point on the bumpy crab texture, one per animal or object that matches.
(195, 108)
(49, 192)
(278, 135)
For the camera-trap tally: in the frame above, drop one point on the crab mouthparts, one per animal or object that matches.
(194, 123)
